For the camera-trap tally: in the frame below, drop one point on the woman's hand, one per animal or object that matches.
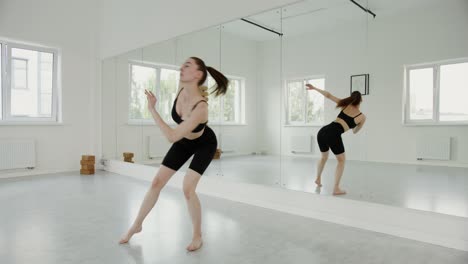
(151, 99)
(310, 87)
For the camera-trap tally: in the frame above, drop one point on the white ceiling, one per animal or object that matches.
(317, 15)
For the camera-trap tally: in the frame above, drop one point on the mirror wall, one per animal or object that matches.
(267, 123)
(324, 43)
(250, 134)
(127, 125)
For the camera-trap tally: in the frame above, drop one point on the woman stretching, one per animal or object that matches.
(192, 136)
(329, 136)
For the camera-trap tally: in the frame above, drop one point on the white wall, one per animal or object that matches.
(238, 58)
(60, 24)
(126, 25)
(269, 67)
(84, 31)
(424, 35)
(415, 36)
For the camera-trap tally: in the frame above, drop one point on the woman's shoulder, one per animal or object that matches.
(200, 99)
(200, 102)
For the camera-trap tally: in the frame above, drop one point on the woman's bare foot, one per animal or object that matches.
(338, 191)
(318, 181)
(133, 230)
(196, 243)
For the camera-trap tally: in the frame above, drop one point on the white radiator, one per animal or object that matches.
(434, 148)
(302, 144)
(158, 146)
(17, 154)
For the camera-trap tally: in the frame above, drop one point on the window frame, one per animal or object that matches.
(289, 123)
(27, 77)
(435, 121)
(6, 118)
(240, 104)
(140, 121)
(158, 67)
(239, 112)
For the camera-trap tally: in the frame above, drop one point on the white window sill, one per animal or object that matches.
(137, 123)
(425, 124)
(30, 123)
(308, 125)
(227, 124)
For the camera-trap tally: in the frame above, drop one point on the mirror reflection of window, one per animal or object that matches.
(304, 107)
(141, 77)
(226, 109)
(447, 91)
(453, 92)
(421, 94)
(162, 81)
(167, 92)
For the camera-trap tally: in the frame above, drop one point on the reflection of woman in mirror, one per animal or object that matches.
(192, 136)
(329, 136)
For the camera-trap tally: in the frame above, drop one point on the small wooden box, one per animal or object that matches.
(217, 154)
(87, 162)
(88, 158)
(87, 172)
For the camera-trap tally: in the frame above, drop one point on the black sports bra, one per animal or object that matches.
(348, 119)
(178, 119)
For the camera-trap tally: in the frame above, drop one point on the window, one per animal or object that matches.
(28, 82)
(436, 93)
(19, 72)
(142, 77)
(1, 81)
(227, 109)
(453, 92)
(304, 107)
(163, 81)
(169, 83)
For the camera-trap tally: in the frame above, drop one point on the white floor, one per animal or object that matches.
(429, 188)
(68, 218)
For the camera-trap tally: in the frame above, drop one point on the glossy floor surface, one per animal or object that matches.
(68, 218)
(429, 188)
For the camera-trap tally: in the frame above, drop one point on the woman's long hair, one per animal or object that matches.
(355, 99)
(221, 81)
